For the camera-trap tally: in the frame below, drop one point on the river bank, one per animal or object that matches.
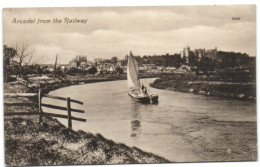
(50, 143)
(222, 89)
(48, 84)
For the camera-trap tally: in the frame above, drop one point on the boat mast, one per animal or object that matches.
(55, 66)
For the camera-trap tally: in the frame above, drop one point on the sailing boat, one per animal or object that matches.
(137, 91)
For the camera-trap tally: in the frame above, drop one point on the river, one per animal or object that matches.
(182, 127)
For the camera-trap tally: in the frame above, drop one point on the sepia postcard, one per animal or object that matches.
(129, 85)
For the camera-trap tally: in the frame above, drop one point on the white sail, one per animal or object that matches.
(132, 73)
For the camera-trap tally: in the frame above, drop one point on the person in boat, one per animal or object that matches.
(144, 90)
(142, 87)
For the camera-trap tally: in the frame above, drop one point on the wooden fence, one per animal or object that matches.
(68, 108)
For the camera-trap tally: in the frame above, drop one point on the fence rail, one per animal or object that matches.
(61, 108)
(41, 113)
(20, 95)
(21, 113)
(62, 98)
(19, 104)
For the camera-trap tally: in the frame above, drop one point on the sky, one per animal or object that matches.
(114, 31)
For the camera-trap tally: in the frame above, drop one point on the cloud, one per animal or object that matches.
(114, 31)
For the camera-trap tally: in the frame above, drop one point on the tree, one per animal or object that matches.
(24, 57)
(9, 54)
(92, 70)
(207, 64)
(73, 71)
(14, 70)
(119, 70)
(33, 69)
(114, 59)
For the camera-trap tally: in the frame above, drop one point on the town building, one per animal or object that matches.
(73, 64)
(63, 66)
(120, 63)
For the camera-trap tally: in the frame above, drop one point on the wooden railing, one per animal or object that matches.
(40, 105)
(15, 95)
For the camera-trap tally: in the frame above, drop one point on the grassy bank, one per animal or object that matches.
(193, 84)
(50, 143)
(48, 84)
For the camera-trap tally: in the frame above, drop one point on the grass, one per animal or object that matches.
(50, 143)
(193, 84)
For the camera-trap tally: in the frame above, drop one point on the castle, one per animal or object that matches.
(197, 55)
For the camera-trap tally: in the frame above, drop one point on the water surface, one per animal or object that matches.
(182, 127)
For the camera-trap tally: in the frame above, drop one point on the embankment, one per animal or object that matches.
(50, 84)
(50, 143)
(191, 84)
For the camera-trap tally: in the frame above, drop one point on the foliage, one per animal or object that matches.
(9, 54)
(163, 60)
(20, 60)
(24, 56)
(92, 70)
(206, 64)
(74, 71)
(232, 59)
(119, 70)
(114, 59)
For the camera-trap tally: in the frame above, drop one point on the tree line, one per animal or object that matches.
(21, 60)
(18, 60)
(223, 60)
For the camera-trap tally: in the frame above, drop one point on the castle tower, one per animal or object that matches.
(187, 54)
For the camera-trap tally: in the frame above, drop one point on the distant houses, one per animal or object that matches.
(110, 68)
(187, 61)
(73, 64)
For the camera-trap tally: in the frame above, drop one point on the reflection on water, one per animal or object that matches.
(136, 127)
(135, 119)
(170, 129)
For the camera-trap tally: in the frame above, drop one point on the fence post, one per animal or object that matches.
(40, 107)
(69, 113)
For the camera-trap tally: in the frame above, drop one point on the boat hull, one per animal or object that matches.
(152, 98)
